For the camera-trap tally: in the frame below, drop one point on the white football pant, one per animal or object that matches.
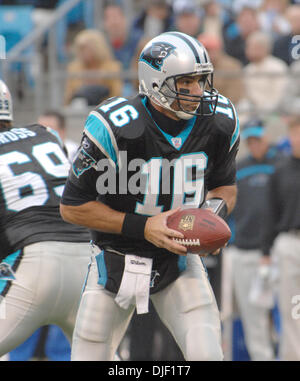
(47, 290)
(187, 307)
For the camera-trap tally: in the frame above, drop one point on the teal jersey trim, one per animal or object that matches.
(236, 132)
(100, 135)
(56, 134)
(181, 263)
(181, 138)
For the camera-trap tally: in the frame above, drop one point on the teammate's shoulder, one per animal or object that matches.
(45, 130)
(117, 116)
(38, 128)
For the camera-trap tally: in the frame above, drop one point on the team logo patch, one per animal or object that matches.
(6, 272)
(177, 142)
(156, 54)
(82, 162)
(187, 222)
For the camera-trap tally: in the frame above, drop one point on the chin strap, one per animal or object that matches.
(183, 115)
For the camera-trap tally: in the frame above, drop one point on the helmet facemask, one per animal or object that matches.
(207, 102)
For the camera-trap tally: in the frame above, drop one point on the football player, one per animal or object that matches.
(171, 146)
(43, 259)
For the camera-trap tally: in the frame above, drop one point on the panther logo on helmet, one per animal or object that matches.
(156, 54)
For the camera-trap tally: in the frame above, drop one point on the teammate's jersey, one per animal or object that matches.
(132, 164)
(33, 171)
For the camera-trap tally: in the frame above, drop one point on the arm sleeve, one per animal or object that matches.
(81, 192)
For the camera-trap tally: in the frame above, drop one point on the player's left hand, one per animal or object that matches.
(158, 233)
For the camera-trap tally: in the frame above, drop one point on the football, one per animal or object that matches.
(204, 232)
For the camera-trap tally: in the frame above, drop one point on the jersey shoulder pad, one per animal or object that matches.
(113, 124)
(124, 116)
(40, 129)
(227, 121)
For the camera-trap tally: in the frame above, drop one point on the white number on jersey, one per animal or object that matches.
(12, 184)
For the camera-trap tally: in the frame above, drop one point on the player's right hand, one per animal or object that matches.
(158, 233)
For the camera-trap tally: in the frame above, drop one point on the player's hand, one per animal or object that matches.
(158, 233)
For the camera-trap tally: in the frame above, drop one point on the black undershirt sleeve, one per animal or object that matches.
(74, 195)
(224, 172)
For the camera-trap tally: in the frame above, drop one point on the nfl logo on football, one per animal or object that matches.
(2, 308)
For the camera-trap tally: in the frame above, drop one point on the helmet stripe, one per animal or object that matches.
(204, 51)
(191, 45)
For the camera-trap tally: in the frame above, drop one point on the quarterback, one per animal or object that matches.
(177, 117)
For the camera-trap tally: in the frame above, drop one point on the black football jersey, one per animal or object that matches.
(33, 171)
(129, 162)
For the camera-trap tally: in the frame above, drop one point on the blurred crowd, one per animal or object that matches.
(254, 47)
(250, 45)
(249, 42)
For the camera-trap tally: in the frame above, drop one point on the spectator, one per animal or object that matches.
(272, 17)
(252, 175)
(213, 19)
(187, 17)
(228, 70)
(116, 28)
(293, 95)
(284, 45)
(92, 57)
(282, 238)
(135, 61)
(122, 41)
(154, 19)
(55, 120)
(238, 5)
(265, 75)
(236, 34)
